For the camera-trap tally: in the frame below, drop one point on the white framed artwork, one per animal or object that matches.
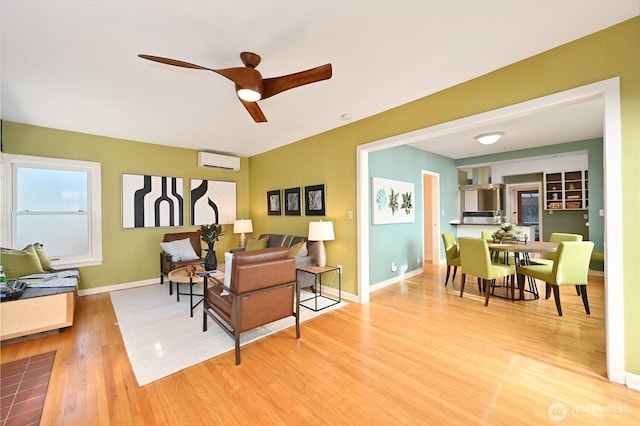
(152, 201)
(212, 201)
(392, 201)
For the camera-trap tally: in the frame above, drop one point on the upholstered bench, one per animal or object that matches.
(48, 303)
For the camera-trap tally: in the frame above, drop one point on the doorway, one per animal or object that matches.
(431, 219)
(524, 207)
(609, 90)
(529, 211)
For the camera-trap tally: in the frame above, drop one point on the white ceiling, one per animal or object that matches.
(73, 65)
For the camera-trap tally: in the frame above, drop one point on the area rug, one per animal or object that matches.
(24, 387)
(161, 337)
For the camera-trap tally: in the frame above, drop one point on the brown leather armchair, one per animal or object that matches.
(166, 262)
(261, 290)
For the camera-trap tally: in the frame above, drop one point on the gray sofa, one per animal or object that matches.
(280, 240)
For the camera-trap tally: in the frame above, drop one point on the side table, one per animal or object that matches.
(181, 276)
(317, 272)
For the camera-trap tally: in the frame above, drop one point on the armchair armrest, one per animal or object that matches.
(166, 263)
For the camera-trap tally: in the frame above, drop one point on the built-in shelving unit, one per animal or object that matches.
(567, 190)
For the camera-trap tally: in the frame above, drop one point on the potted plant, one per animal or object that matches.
(507, 231)
(210, 234)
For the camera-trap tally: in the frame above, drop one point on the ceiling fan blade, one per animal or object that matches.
(254, 110)
(246, 77)
(174, 62)
(276, 85)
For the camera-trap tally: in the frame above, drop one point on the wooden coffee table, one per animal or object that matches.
(181, 276)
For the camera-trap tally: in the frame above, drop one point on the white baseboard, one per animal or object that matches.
(632, 381)
(391, 281)
(123, 286)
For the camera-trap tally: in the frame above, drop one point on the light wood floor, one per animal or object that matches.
(417, 354)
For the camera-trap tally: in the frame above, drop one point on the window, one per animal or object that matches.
(55, 202)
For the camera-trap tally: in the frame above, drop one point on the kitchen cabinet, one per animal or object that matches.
(566, 190)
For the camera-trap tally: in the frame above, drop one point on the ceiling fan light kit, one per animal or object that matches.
(249, 95)
(249, 84)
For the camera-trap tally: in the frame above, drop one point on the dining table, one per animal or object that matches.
(522, 256)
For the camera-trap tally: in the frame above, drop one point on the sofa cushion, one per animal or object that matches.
(180, 250)
(298, 249)
(18, 263)
(44, 259)
(253, 244)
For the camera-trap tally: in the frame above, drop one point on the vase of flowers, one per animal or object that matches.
(210, 234)
(507, 231)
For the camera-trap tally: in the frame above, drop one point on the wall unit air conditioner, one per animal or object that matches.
(218, 161)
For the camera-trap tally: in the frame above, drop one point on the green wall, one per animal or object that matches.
(129, 255)
(331, 156)
(402, 243)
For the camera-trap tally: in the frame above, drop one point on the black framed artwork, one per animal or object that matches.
(314, 200)
(292, 202)
(274, 203)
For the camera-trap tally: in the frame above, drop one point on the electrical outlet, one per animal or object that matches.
(393, 267)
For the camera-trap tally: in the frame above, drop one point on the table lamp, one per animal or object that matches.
(320, 232)
(240, 227)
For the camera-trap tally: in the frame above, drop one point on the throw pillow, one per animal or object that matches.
(253, 244)
(297, 249)
(44, 259)
(228, 259)
(180, 250)
(18, 263)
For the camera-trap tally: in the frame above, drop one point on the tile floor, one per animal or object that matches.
(23, 388)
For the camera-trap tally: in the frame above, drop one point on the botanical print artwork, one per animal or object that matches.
(393, 201)
(314, 200)
(273, 203)
(212, 201)
(292, 202)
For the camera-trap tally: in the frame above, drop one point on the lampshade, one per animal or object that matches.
(242, 225)
(321, 231)
(489, 138)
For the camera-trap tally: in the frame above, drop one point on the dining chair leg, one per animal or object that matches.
(578, 289)
(489, 284)
(585, 301)
(513, 287)
(446, 280)
(455, 269)
(556, 296)
(547, 291)
(462, 284)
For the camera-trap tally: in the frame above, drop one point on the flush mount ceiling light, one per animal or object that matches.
(489, 138)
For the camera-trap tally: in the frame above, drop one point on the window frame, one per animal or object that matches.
(94, 197)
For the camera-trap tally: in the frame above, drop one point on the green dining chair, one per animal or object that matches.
(556, 237)
(488, 236)
(476, 260)
(453, 255)
(570, 267)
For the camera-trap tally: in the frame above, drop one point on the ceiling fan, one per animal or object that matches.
(250, 86)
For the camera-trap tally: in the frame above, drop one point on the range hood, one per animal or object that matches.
(481, 180)
(481, 195)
